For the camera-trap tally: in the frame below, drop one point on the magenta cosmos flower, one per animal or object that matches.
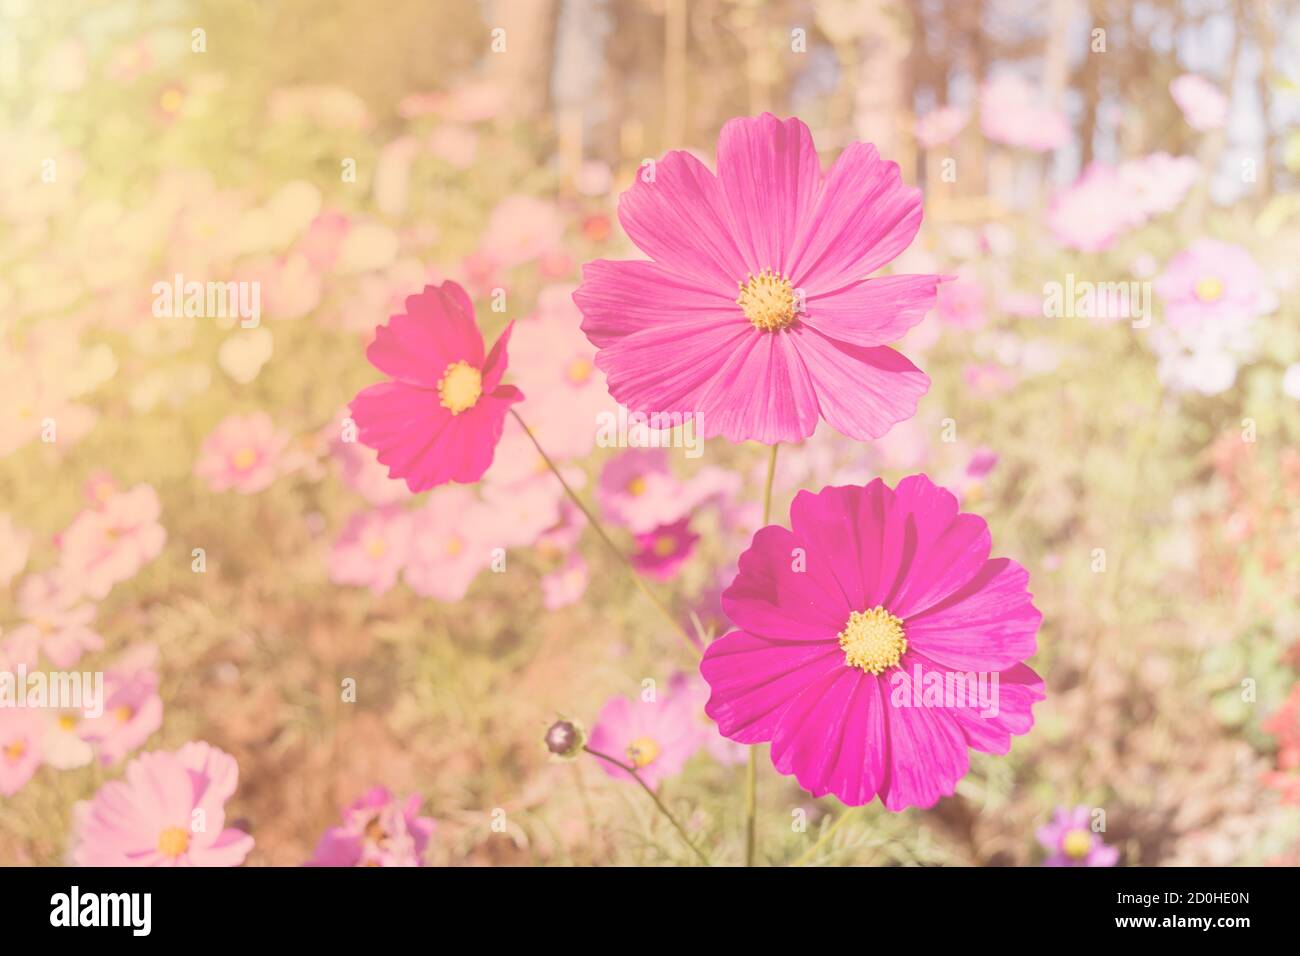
(152, 818)
(869, 637)
(441, 416)
(1070, 840)
(754, 312)
(378, 830)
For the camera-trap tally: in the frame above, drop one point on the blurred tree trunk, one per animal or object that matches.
(880, 99)
(1262, 30)
(523, 68)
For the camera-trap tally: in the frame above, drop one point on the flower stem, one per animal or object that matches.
(609, 542)
(681, 831)
(751, 773)
(825, 837)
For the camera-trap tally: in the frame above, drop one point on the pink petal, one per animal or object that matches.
(617, 298)
(927, 752)
(495, 366)
(416, 347)
(872, 311)
(771, 599)
(760, 393)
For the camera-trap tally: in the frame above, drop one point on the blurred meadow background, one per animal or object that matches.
(1144, 468)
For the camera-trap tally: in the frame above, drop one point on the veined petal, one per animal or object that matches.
(872, 312)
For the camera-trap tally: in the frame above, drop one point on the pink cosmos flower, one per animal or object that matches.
(940, 126)
(372, 550)
(107, 545)
(638, 490)
(243, 453)
(566, 585)
(696, 695)
(1212, 281)
(1203, 106)
(15, 543)
(169, 810)
(1156, 184)
(656, 737)
(807, 336)
(448, 545)
(377, 830)
(1092, 212)
(362, 472)
(57, 618)
(846, 619)
(1070, 840)
(661, 551)
(440, 418)
(133, 708)
(64, 747)
(961, 304)
(1010, 114)
(22, 731)
(520, 229)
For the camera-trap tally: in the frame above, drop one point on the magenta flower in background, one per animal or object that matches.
(57, 617)
(133, 708)
(847, 618)
(107, 545)
(1070, 840)
(1212, 281)
(1203, 106)
(656, 737)
(807, 336)
(377, 830)
(22, 731)
(150, 817)
(372, 549)
(661, 551)
(441, 416)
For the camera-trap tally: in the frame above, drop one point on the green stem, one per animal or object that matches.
(825, 837)
(681, 831)
(751, 773)
(609, 542)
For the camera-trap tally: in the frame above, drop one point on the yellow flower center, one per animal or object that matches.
(1076, 844)
(376, 547)
(1209, 289)
(664, 546)
(244, 458)
(67, 722)
(171, 101)
(173, 841)
(873, 640)
(579, 371)
(124, 714)
(636, 487)
(642, 751)
(453, 547)
(767, 300)
(460, 387)
(14, 752)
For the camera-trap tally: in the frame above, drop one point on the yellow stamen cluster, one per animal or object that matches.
(1209, 289)
(768, 301)
(1076, 844)
(642, 752)
(460, 387)
(244, 459)
(173, 841)
(873, 640)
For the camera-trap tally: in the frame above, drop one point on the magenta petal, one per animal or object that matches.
(945, 559)
(864, 218)
(416, 347)
(619, 298)
(495, 366)
(862, 392)
(927, 751)
(1010, 713)
(826, 523)
(752, 681)
(770, 177)
(676, 214)
(872, 312)
(760, 393)
(823, 737)
(990, 624)
(772, 599)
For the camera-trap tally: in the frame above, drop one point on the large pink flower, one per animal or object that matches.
(808, 334)
(846, 624)
(107, 545)
(377, 830)
(152, 818)
(441, 416)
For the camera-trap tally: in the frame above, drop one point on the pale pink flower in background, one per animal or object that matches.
(57, 617)
(961, 304)
(1291, 381)
(15, 544)
(1156, 184)
(372, 549)
(638, 490)
(455, 145)
(520, 229)
(20, 649)
(243, 453)
(291, 286)
(107, 545)
(565, 585)
(660, 552)
(655, 737)
(22, 731)
(1203, 105)
(322, 242)
(99, 487)
(64, 747)
(695, 691)
(361, 471)
(133, 709)
(940, 126)
(903, 449)
(1094, 211)
(448, 547)
(1212, 281)
(989, 378)
(1010, 114)
(378, 830)
(152, 816)
(518, 513)
(1070, 840)
(1022, 304)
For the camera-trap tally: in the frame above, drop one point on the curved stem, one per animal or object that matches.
(825, 837)
(681, 831)
(609, 542)
(751, 773)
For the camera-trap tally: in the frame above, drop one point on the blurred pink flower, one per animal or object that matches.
(1156, 184)
(1070, 841)
(99, 487)
(988, 378)
(133, 709)
(637, 490)
(695, 693)
(361, 471)
(378, 830)
(64, 747)
(1203, 106)
(940, 126)
(565, 585)
(15, 544)
(110, 544)
(1212, 281)
(372, 549)
(322, 242)
(1010, 114)
(661, 551)
(520, 229)
(455, 145)
(57, 618)
(656, 737)
(449, 546)
(961, 304)
(243, 453)
(22, 731)
(169, 810)
(1092, 212)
